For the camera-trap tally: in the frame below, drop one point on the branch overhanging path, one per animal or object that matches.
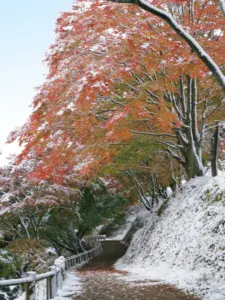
(222, 6)
(194, 45)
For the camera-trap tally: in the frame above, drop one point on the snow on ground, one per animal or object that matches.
(40, 290)
(70, 286)
(185, 246)
(21, 297)
(133, 213)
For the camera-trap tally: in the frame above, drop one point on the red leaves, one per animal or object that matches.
(96, 91)
(131, 44)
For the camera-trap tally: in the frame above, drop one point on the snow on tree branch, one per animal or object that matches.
(222, 6)
(194, 45)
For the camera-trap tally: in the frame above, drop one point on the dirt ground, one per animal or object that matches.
(100, 281)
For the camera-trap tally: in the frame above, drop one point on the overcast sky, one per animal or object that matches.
(26, 32)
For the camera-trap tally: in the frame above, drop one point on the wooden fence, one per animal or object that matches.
(56, 274)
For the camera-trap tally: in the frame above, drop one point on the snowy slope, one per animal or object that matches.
(186, 244)
(132, 214)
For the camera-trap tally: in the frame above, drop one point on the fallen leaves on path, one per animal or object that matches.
(112, 285)
(100, 281)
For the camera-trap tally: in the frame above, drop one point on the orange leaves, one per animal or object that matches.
(136, 108)
(131, 44)
(108, 78)
(96, 159)
(119, 135)
(61, 163)
(115, 120)
(163, 118)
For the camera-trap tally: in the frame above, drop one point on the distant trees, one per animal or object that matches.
(25, 205)
(36, 215)
(25, 208)
(98, 205)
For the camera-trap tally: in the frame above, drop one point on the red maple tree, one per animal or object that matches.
(129, 74)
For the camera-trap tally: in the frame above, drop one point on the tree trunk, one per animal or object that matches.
(193, 149)
(215, 140)
(194, 166)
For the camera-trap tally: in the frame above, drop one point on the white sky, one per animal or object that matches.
(26, 32)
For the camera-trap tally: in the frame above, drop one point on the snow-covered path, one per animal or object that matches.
(100, 281)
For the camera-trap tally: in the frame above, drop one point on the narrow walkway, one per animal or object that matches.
(100, 281)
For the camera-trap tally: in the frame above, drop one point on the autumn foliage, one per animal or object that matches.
(115, 73)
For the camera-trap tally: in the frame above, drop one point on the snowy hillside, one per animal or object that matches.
(134, 213)
(186, 244)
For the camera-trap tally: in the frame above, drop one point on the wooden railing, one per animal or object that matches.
(56, 274)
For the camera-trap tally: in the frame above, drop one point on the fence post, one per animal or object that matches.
(48, 288)
(59, 278)
(61, 267)
(52, 284)
(62, 276)
(68, 264)
(30, 286)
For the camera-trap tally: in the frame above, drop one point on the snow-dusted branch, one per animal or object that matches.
(25, 222)
(222, 6)
(154, 134)
(142, 196)
(176, 156)
(171, 145)
(194, 45)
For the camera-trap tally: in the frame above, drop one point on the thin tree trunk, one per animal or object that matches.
(215, 140)
(25, 226)
(194, 165)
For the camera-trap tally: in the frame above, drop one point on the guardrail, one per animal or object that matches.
(56, 274)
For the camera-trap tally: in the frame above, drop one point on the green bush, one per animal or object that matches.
(8, 264)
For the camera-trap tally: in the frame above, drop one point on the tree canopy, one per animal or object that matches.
(128, 75)
(127, 109)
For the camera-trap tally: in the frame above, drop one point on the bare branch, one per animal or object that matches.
(154, 134)
(170, 144)
(118, 103)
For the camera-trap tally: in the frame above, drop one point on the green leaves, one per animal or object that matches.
(136, 150)
(8, 264)
(98, 205)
